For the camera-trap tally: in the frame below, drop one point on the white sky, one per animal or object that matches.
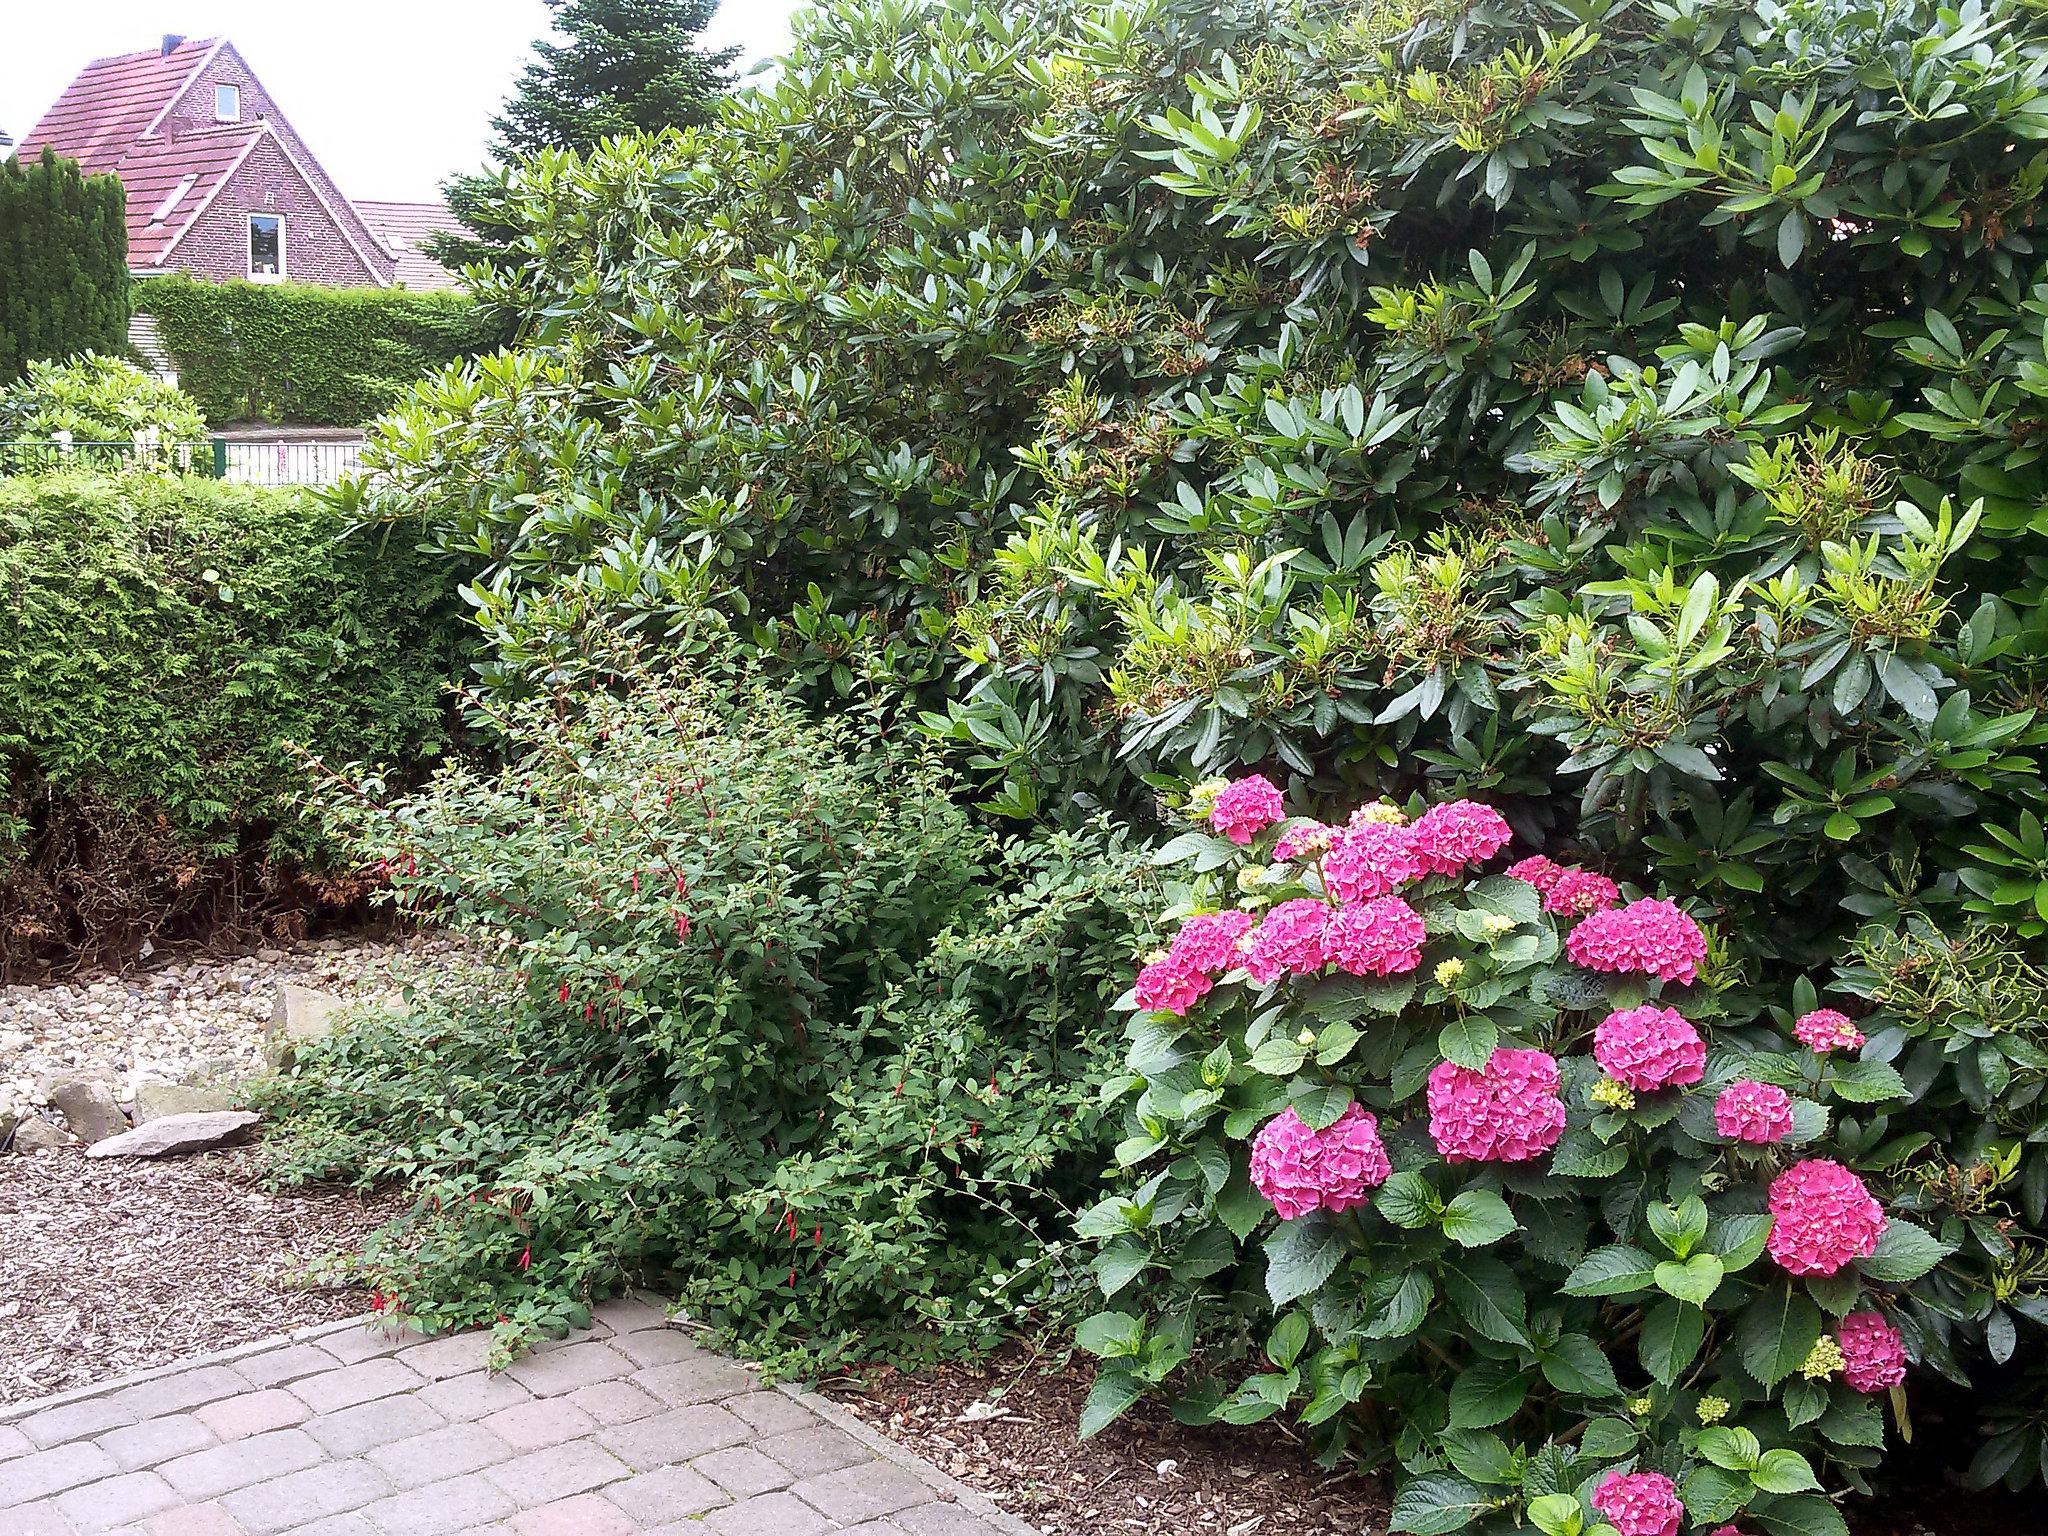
(394, 96)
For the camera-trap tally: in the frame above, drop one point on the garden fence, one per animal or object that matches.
(244, 462)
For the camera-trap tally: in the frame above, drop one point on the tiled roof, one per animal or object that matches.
(193, 168)
(404, 227)
(112, 103)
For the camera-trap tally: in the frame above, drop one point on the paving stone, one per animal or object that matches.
(772, 1514)
(743, 1471)
(209, 1474)
(193, 1520)
(676, 1435)
(336, 1525)
(541, 1422)
(866, 1492)
(256, 1413)
(585, 1515)
(667, 1493)
(76, 1421)
(771, 1413)
(559, 1472)
(355, 1430)
(614, 1402)
(628, 1314)
(451, 1451)
(440, 1508)
(43, 1473)
(180, 1392)
(563, 1370)
(370, 1342)
(353, 1384)
(659, 1346)
(115, 1501)
(275, 1367)
(287, 1502)
(456, 1355)
(37, 1520)
(948, 1517)
(819, 1449)
(473, 1396)
(13, 1442)
(694, 1381)
(874, 1528)
(145, 1444)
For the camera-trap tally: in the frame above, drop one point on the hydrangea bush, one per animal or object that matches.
(1492, 1167)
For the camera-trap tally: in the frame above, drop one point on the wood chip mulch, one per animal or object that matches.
(113, 1267)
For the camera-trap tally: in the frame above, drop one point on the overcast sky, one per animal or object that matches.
(394, 96)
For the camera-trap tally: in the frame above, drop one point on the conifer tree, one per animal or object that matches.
(63, 263)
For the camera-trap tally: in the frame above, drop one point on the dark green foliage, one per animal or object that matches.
(759, 1015)
(300, 353)
(63, 263)
(161, 640)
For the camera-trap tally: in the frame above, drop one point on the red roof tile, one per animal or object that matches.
(112, 103)
(156, 168)
(404, 227)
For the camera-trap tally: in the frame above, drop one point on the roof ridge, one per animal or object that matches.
(151, 53)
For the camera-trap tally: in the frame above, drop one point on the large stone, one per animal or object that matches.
(177, 1133)
(299, 1016)
(35, 1135)
(156, 1101)
(10, 1117)
(87, 1105)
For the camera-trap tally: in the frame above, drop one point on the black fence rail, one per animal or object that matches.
(240, 460)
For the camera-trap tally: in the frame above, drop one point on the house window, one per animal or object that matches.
(227, 103)
(266, 247)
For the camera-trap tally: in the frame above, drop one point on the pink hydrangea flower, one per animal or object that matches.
(1299, 1170)
(1824, 1218)
(1577, 892)
(1757, 1112)
(1208, 941)
(1458, 833)
(1306, 840)
(1825, 1030)
(1245, 807)
(1509, 1112)
(1640, 1503)
(1171, 985)
(1370, 860)
(1648, 1048)
(1652, 937)
(1289, 940)
(1874, 1355)
(1535, 870)
(1382, 937)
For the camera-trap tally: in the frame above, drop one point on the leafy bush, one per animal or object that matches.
(757, 1014)
(97, 399)
(301, 353)
(161, 639)
(1568, 1220)
(63, 262)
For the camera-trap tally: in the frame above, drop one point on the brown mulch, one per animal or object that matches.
(112, 1267)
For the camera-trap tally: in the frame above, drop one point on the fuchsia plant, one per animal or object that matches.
(1506, 1163)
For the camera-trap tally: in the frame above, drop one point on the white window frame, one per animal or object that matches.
(227, 117)
(266, 277)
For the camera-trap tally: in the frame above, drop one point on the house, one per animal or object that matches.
(220, 185)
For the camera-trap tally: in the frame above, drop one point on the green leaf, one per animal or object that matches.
(1486, 1393)
(1866, 1082)
(1617, 1270)
(1469, 1040)
(1904, 1253)
(1111, 1335)
(1113, 1392)
(1300, 1257)
(1405, 1309)
(1289, 1337)
(1477, 1217)
(1439, 1504)
(1784, 1471)
(1776, 1333)
(1803, 1514)
(1713, 1495)
(1730, 1447)
(1407, 1200)
(1318, 1105)
(1576, 1364)
(1672, 1334)
(1488, 1297)
(1695, 1280)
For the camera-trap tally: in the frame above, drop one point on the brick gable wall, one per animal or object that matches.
(316, 251)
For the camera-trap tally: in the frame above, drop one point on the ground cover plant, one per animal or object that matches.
(759, 1015)
(1501, 1172)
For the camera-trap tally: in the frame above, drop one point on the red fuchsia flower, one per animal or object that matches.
(1300, 1170)
(1374, 859)
(1640, 1503)
(1536, 870)
(1171, 985)
(1652, 937)
(1289, 940)
(1382, 937)
(1246, 807)
(1825, 1030)
(1578, 892)
(1873, 1354)
(1509, 1112)
(1754, 1112)
(1208, 942)
(1649, 1048)
(1823, 1218)
(1305, 841)
(1458, 833)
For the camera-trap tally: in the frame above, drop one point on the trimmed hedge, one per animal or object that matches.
(332, 357)
(161, 641)
(63, 263)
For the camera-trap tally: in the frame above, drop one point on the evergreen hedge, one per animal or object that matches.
(63, 263)
(296, 352)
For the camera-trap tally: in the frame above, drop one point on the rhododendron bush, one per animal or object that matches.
(1528, 1193)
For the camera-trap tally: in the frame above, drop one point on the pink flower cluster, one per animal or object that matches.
(1372, 859)
(1567, 890)
(1301, 1170)
(1204, 949)
(1509, 1112)
(1825, 1030)
(1652, 937)
(1448, 837)
(1290, 940)
(1307, 839)
(1382, 937)
(1640, 1503)
(1245, 807)
(1649, 1048)
(1756, 1112)
(1873, 1354)
(1823, 1218)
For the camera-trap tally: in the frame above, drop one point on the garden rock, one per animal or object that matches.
(88, 1106)
(301, 1015)
(35, 1135)
(10, 1117)
(156, 1101)
(178, 1133)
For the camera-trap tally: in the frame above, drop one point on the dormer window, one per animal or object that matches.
(227, 103)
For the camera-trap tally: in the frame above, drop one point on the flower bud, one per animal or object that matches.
(1612, 1095)
(1306, 1037)
(1712, 1410)
(1824, 1359)
(1448, 971)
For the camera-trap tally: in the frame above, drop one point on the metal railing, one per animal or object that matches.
(242, 461)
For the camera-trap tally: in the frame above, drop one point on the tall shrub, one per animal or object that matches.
(63, 263)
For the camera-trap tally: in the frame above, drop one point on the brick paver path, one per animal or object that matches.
(629, 1428)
